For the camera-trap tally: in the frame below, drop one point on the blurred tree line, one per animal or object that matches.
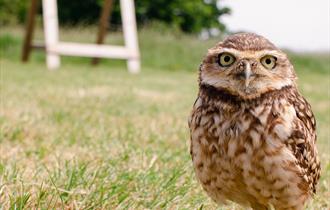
(189, 15)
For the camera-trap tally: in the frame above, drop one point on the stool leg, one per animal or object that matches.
(103, 25)
(50, 19)
(130, 34)
(27, 45)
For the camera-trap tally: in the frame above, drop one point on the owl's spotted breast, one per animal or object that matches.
(256, 152)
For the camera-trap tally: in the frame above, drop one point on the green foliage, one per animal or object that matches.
(12, 11)
(189, 16)
(75, 12)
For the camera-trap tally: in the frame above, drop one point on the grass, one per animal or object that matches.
(100, 138)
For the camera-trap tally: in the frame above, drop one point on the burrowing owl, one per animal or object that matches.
(252, 133)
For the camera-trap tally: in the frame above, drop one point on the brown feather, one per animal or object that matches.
(253, 145)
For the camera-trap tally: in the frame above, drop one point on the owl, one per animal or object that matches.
(253, 138)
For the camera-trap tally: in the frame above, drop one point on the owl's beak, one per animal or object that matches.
(247, 74)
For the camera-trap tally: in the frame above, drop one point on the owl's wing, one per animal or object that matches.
(302, 141)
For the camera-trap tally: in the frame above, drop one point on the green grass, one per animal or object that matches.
(100, 138)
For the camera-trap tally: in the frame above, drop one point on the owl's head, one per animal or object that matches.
(246, 65)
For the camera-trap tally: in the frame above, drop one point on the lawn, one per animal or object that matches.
(89, 137)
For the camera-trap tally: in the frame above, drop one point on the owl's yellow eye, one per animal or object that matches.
(268, 61)
(226, 59)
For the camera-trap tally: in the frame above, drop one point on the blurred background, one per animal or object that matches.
(97, 137)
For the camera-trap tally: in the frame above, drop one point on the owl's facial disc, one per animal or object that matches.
(246, 73)
(246, 65)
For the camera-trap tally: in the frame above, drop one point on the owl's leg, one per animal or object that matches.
(257, 206)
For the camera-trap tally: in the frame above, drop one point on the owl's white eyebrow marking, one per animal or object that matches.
(246, 54)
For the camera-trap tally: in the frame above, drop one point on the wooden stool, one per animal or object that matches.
(54, 47)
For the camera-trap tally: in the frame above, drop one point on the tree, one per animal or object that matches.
(188, 15)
